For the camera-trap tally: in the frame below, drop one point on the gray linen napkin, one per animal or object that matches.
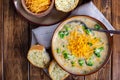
(43, 34)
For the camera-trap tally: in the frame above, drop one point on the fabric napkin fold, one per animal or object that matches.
(43, 34)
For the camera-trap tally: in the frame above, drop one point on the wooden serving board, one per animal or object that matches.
(15, 41)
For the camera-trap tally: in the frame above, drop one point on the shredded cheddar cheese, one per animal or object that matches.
(37, 6)
(78, 44)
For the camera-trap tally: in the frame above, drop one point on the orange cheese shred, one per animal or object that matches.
(37, 6)
(78, 44)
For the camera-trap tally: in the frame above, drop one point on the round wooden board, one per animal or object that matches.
(53, 17)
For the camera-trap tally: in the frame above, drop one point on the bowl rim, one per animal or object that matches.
(33, 22)
(110, 41)
(42, 14)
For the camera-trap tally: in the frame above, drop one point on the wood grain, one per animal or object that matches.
(37, 74)
(105, 73)
(15, 35)
(16, 39)
(116, 46)
(1, 39)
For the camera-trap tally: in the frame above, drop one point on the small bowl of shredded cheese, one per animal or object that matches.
(38, 8)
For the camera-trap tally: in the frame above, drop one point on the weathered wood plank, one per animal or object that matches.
(105, 73)
(116, 45)
(1, 38)
(16, 40)
(116, 58)
(16, 32)
(37, 74)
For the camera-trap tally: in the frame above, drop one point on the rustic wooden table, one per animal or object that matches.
(15, 42)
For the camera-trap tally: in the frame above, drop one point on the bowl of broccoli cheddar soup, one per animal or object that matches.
(78, 50)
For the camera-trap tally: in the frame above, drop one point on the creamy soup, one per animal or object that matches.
(77, 49)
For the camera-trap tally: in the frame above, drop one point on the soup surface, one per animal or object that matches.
(77, 49)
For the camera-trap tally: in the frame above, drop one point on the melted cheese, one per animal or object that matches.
(78, 44)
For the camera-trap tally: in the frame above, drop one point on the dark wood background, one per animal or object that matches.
(15, 41)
